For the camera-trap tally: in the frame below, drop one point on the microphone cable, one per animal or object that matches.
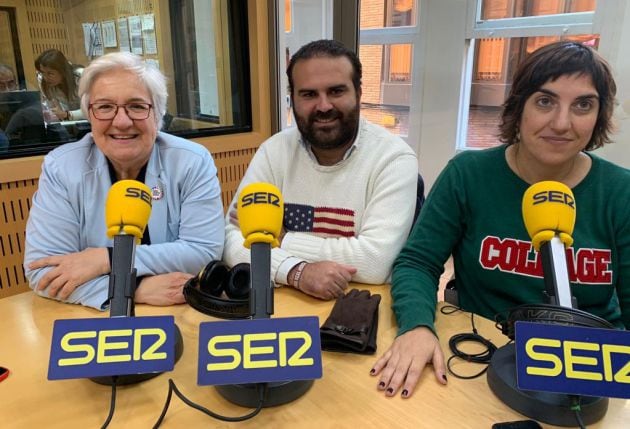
(112, 404)
(262, 393)
(575, 407)
(483, 357)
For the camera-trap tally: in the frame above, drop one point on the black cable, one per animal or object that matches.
(575, 407)
(262, 393)
(112, 404)
(482, 357)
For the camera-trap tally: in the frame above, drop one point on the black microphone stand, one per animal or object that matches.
(261, 307)
(122, 288)
(548, 407)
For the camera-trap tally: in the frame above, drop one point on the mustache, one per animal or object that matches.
(330, 114)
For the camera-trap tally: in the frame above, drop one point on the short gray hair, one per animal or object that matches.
(5, 69)
(153, 79)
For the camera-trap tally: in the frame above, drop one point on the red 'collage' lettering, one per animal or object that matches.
(586, 266)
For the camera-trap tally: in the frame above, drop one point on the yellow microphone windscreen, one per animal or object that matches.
(548, 210)
(127, 208)
(260, 209)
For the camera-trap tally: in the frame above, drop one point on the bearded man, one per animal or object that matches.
(349, 186)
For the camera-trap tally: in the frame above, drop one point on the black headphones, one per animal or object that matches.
(552, 314)
(204, 291)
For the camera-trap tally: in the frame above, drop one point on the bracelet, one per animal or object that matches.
(298, 274)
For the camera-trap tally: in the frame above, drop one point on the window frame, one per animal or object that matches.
(240, 87)
(562, 25)
(409, 35)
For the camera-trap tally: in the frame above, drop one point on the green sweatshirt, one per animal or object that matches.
(474, 213)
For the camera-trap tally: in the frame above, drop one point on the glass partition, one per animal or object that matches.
(200, 45)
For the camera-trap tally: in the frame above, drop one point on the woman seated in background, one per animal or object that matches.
(59, 85)
(68, 254)
(559, 109)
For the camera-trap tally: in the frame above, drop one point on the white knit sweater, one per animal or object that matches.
(357, 212)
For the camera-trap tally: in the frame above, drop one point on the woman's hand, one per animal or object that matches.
(71, 271)
(402, 364)
(61, 114)
(162, 289)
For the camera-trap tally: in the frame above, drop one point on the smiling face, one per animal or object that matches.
(325, 103)
(126, 143)
(558, 121)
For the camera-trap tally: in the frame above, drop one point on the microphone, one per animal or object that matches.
(260, 209)
(549, 212)
(549, 216)
(127, 211)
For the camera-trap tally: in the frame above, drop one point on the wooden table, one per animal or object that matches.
(346, 396)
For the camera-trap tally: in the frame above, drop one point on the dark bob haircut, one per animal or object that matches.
(548, 64)
(326, 48)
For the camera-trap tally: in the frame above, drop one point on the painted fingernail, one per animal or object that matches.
(405, 393)
(381, 384)
(390, 390)
(372, 371)
(444, 377)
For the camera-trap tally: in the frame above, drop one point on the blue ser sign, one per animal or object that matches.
(111, 346)
(574, 360)
(259, 350)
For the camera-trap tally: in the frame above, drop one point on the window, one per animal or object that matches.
(499, 9)
(302, 21)
(387, 85)
(387, 13)
(200, 45)
(504, 33)
(388, 39)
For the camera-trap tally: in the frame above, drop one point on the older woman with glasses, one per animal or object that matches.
(68, 254)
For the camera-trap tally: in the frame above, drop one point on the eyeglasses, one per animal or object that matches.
(108, 111)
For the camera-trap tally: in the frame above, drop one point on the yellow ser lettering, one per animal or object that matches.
(570, 360)
(227, 352)
(530, 346)
(104, 346)
(621, 376)
(77, 348)
(149, 353)
(249, 350)
(296, 359)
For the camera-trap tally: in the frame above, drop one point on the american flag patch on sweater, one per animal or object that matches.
(321, 221)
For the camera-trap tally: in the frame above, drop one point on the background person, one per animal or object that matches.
(559, 109)
(349, 186)
(21, 119)
(8, 82)
(67, 254)
(59, 85)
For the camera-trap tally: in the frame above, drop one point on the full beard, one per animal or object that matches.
(334, 136)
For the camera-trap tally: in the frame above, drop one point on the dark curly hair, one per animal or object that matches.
(548, 64)
(326, 48)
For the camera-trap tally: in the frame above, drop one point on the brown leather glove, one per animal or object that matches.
(352, 324)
